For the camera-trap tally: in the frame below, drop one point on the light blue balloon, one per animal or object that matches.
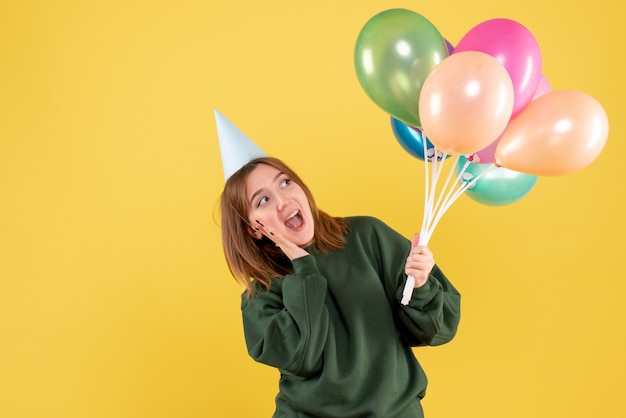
(499, 186)
(412, 140)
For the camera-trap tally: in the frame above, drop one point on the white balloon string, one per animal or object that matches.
(456, 182)
(432, 184)
(434, 208)
(463, 186)
(444, 208)
(407, 292)
(433, 212)
(450, 197)
(445, 187)
(436, 169)
(426, 189)
(473, 180)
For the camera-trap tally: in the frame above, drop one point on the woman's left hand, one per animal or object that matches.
(291, 249)
(419, 263)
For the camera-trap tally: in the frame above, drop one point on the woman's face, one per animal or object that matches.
(280, 204)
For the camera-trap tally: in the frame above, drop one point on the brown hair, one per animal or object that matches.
(260, 260)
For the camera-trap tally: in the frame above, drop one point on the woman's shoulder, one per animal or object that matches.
(262, 294)
(361, 222)
(372, 230)
(371, 225)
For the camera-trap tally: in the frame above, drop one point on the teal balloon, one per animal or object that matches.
(395, 51)
(498, 187)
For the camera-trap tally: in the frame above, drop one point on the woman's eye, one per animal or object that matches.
(262, 201)
(285, 183)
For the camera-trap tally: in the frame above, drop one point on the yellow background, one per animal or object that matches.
(115, 300)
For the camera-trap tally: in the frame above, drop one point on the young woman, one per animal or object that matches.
(322, 299)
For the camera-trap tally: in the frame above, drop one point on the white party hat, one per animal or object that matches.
(235, 147)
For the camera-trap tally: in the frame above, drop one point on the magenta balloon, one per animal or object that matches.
(486, 155)
(516, 49)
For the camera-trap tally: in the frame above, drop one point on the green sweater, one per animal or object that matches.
(338, 334)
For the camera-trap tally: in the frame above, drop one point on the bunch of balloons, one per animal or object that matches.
(485, 101)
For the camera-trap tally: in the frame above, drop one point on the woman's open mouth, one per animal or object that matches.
(295, 221)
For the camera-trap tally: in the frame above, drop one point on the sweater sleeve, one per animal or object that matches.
(433, 313)
(286, 327)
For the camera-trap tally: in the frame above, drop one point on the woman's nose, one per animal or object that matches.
(280, 202)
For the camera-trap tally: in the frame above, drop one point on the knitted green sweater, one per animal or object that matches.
(336, 331)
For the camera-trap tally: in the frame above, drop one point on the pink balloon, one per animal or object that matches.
(515, 47)
(486, 155)
(559, 133)
(543, 87)
(465, 102)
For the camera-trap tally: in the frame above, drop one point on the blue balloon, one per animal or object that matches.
(498, 187)
(412, 140)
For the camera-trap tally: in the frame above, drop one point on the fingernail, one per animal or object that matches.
(259, 222)
(271, 233)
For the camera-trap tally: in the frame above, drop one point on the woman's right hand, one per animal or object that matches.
(291, 250)
(420, 262)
